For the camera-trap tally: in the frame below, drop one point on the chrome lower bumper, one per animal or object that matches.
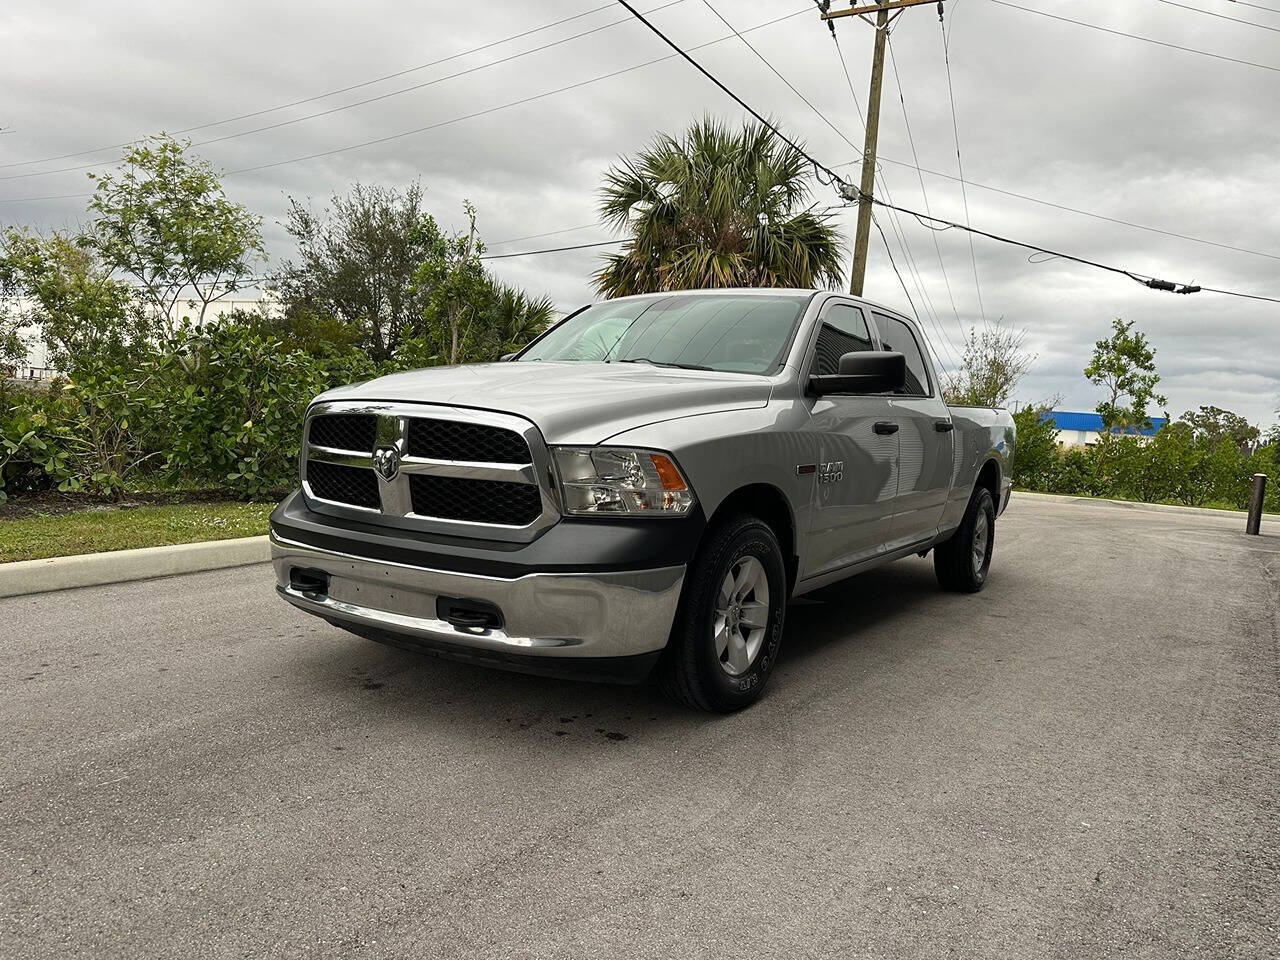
(553, 615)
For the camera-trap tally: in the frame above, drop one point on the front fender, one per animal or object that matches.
(725, 451)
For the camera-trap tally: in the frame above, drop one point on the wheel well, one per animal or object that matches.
(768, 503)
(989, 477)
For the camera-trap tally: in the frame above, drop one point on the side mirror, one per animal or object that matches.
(508, 356)
(867, 371)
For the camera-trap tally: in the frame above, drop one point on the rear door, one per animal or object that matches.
(855, 477)
(925, 439)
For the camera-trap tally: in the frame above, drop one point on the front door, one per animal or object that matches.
(855, 477)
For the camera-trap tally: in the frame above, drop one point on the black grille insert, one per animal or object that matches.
(476, 501)
(353, 485)
(345, 431)
(474, 442)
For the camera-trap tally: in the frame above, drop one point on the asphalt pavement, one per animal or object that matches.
(1081, 761)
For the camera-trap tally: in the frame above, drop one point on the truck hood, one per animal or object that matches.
(582, 403)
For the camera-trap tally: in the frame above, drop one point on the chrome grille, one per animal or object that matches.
(450, 470)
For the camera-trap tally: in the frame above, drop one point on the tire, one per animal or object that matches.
(962, 562)
(704, 667)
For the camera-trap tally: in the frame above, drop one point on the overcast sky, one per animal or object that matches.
(1114, 126)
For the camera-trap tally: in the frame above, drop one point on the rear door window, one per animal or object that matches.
(899, 337)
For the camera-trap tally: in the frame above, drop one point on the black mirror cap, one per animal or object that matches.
(864, 371)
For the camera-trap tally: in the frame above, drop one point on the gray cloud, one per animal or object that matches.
(1106, 124)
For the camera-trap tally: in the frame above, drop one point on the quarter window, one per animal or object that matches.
(898, 337)
(844, 330)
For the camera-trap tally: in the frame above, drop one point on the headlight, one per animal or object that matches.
(596, 481)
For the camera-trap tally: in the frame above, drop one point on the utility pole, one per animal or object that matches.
(862, 238)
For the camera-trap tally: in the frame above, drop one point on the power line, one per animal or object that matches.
(1142, 278)
(329, 93)
(1134, 36)
(358, 103)
(937, 247)
(775, 72)
(885, 241)
(850, 192)
(1220, 16)
(1255, 6)
(469, 116)
(894, 222)
(539, 236)
(964, 192)
(936, 173)
(729, 93)
(809, 103)
(1089, 213)
(532, 253)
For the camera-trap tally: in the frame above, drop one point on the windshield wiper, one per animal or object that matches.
(661, 363)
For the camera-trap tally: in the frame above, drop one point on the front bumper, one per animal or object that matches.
(548, 619)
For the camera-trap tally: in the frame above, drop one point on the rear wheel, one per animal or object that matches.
(726, 637)
(962, 562)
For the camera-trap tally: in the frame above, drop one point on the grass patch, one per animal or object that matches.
(121, 528)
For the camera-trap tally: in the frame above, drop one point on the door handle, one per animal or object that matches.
(886, 427)
(943, 426)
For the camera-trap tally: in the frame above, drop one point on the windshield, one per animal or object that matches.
(737, 333)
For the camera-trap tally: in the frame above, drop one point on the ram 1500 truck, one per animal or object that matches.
(643, 487)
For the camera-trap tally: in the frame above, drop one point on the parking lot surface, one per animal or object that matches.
(1082, 761)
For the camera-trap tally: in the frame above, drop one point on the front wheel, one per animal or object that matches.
(962, 562)
(726, 638)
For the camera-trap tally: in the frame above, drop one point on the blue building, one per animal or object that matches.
(1083, 429)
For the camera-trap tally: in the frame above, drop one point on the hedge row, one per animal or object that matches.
(1177, 465)
(217, 407)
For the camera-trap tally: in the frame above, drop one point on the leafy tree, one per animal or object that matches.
(994, 364)
(58, 285)
(13, 350)
(457, 284)
(716, 208)
(470, 316)
(1036, 450)
(1125, 366)
(1217, 425)
(163, 218)
(358, 263)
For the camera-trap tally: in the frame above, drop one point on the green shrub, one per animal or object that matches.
(233, 399)
(1036, 451)
(1075, 473)
(34, 445)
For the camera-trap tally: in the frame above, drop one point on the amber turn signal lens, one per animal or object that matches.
(667, 472)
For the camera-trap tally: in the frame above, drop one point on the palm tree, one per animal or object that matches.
(716, 208)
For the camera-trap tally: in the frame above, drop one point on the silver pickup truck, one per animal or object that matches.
(641, 489)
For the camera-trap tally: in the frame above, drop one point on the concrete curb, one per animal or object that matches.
(1134, 505)
(119, 566)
